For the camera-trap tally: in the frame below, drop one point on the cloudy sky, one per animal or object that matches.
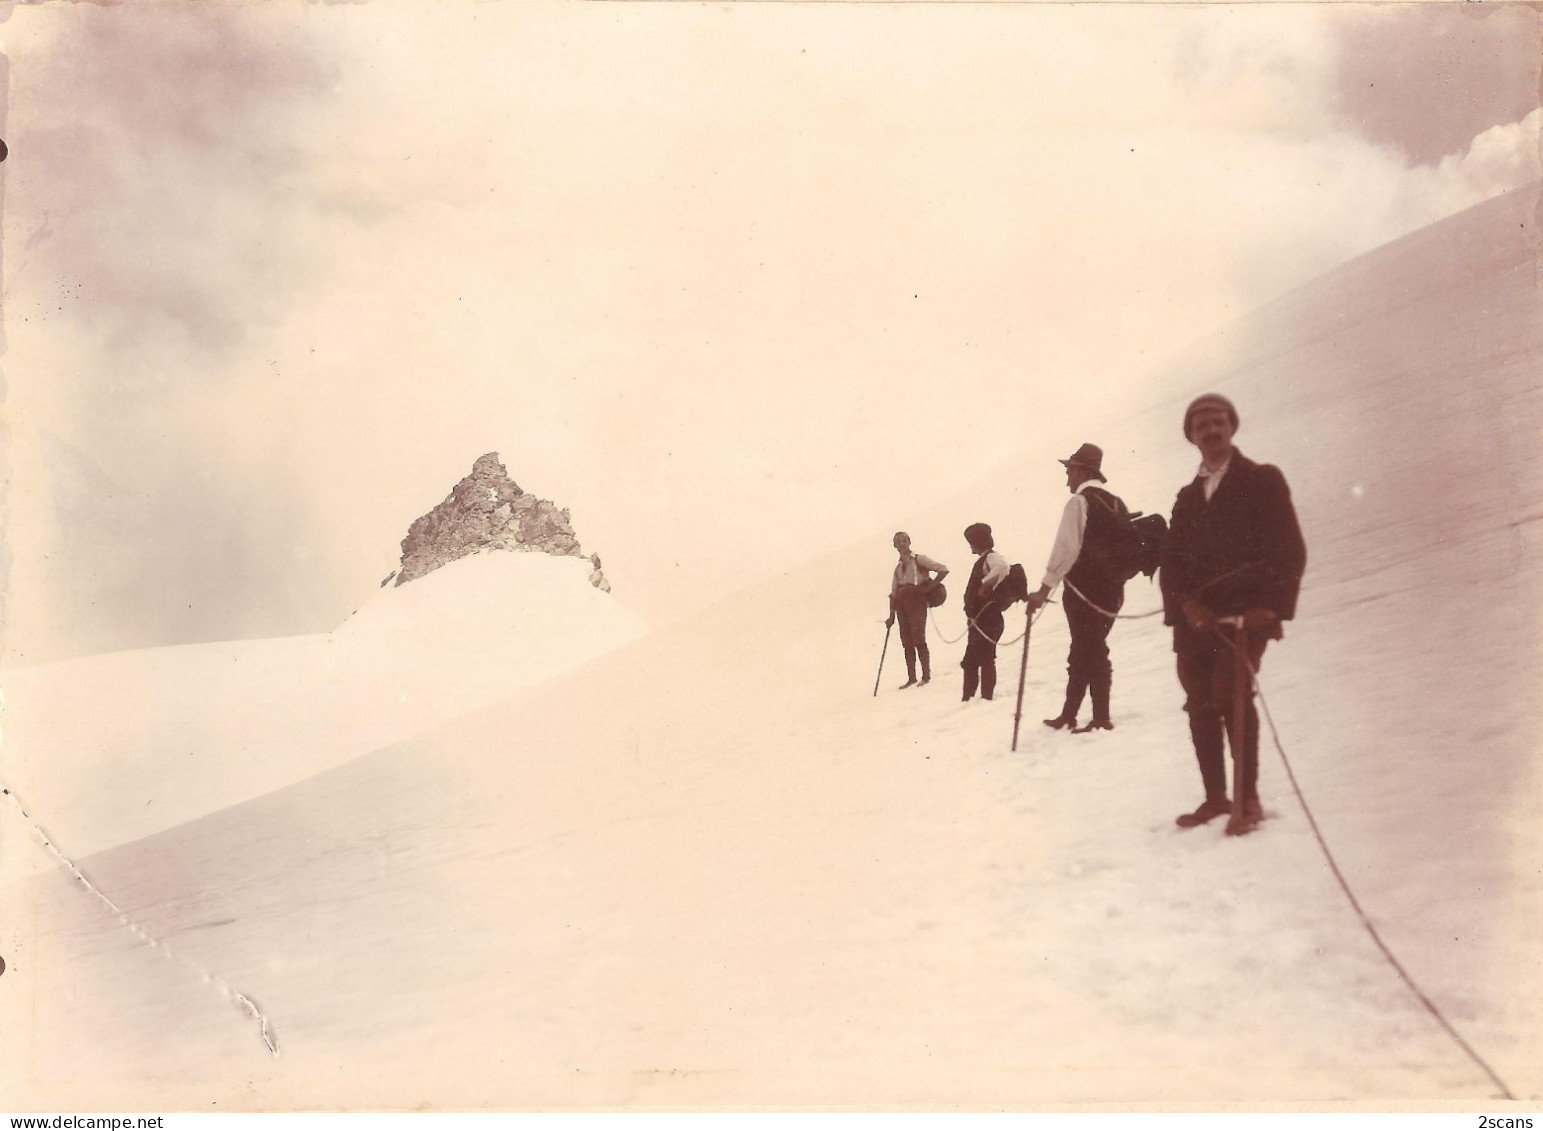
(735, 283)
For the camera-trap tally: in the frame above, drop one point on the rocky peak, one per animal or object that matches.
(489, 511)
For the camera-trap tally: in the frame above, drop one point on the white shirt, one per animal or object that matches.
(912, 570)
(995, 572)
(1211, 477)
(1068, 537)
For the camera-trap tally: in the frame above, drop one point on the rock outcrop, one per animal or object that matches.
(489, 511)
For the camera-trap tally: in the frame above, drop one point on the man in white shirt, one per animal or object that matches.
(910, 591)
(983, 613)
(1094, 591)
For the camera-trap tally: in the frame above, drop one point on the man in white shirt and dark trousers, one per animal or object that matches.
(1093, 593)
(909, 593)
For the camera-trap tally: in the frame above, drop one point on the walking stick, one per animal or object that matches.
(1023, 668)
(1242, 685)
(880, 676)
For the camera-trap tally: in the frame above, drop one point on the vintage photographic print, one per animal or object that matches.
(771, 556)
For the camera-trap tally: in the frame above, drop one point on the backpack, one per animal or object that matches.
(1012, 589)
(1152, 530)
(1130, 543)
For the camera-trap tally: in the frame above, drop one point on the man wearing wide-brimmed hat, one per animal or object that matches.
(1094, 592)
(1231, 570)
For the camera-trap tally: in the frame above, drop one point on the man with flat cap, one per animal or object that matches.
(1094, 592)
(1232, 566)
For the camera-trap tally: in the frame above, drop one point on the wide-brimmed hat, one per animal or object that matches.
(1089, 457)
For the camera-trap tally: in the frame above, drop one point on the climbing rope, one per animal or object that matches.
(970, 623)
(1153, 612)
(1323, 844)
(1344, 885)
(1100, 609)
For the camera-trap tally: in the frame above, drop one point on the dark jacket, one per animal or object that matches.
(1242, 550)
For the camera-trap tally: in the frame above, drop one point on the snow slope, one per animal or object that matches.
(710, 868)
(115, 747)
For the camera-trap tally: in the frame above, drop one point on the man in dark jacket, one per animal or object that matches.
(1234, 559)
(1094, 590)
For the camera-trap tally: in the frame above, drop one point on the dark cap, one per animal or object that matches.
(1205, 401)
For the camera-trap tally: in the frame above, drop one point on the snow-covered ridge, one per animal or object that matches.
(109, 748)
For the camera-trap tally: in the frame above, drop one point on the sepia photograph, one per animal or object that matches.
(565, 556)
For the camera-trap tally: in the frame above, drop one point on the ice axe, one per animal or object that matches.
(1242, 691)
(1023, 669)
(887, 626)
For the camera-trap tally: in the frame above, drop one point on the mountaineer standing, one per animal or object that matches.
(983, 615)
(1083, 556)
(910, 594)
(1231, 570)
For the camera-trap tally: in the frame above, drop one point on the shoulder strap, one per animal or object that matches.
(1104, 498)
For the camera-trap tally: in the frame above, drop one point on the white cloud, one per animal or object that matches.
(1501, 158)
(731, 283)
